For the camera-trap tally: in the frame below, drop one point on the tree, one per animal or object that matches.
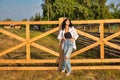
(103, 9)
(24, 19)
(47, 9)
(37, 17)
(32, 18)
(7, 19)
(115, 10)
(75, 9)
(58, 8)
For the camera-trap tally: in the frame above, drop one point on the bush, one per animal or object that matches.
(1, 26)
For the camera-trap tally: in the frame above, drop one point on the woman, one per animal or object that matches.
(67, 35)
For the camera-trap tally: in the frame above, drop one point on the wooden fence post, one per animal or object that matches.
(60, 45)
(101, 40)
(27, 40)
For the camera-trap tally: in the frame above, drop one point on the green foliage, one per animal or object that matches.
(1, 26)
(75, 9)
(32, 18)
(115, 10)
(7, 19)
(24, 19)
(37, 17)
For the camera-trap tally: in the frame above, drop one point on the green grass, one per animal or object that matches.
(49, 41)
(96, 29)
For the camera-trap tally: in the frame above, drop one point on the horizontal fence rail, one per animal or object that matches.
(28, 42)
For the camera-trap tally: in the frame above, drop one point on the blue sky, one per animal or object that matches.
(21, 9)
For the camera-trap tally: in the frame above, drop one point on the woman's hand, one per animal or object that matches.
(64, 39)
(72, 39)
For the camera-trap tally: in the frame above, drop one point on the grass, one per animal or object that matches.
(48, 41)
(56, 75)
(106, 30)
(51, 42)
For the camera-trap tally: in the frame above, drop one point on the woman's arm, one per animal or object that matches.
(75, 35)
(60, 36)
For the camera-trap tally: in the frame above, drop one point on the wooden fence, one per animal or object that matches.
(31, 42)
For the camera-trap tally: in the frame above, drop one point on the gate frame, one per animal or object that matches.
(28, 42)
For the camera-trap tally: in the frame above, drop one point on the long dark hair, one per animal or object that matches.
(64, 23)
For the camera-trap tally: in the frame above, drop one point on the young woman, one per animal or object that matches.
(67, 35)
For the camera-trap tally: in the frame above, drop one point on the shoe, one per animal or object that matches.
(63, 71)
(67, 74)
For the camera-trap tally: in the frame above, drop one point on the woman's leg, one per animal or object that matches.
(68, 53)
(64, 59)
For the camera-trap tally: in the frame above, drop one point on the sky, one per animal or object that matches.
(23, 9)
(19, 9)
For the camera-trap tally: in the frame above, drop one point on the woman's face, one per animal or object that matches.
(67, 23)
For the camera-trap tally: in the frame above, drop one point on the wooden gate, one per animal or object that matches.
(31, 42)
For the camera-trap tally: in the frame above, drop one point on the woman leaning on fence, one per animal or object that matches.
(67, 35)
